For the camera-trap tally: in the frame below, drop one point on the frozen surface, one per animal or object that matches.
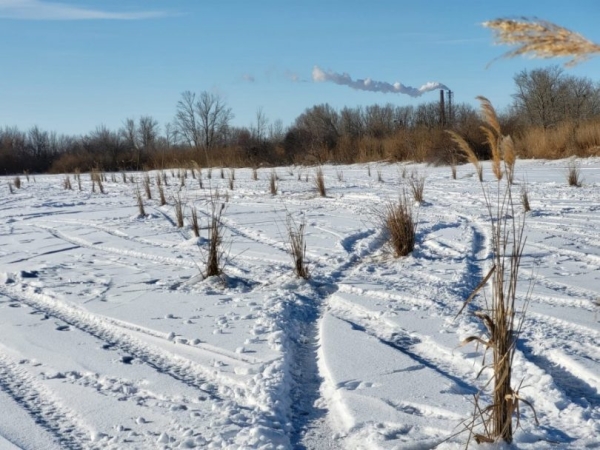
(111, 338)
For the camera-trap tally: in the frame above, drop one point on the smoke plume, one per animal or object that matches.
(319, 75)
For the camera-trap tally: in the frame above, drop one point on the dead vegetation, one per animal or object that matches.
(297, 246)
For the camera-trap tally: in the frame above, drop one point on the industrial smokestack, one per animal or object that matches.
(442, 109)
(319, 75)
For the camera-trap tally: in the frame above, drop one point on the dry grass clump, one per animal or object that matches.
(161, 191)
(379, 176)
(140, 202)
(254, 173)
(340, 175)
(77, 176)
(146, 182)
(574, 174)
(67, 183)
(231, 178)
(320, 182)
(297, 246)
(178, 211)
(17, 182)
(416, 182)
(400, 226)
(214, 257)
(273, 182)
(194, 221)
(541, 39)
(525, 198)
(10, 188)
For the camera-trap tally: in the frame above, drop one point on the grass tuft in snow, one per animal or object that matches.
(179, 211)
(320, 182)
(297, 246)
(574, 175)
(398, 220)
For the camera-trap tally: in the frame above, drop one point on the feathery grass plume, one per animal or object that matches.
(178, 211)
(140, 202)
(17, 182)
(10, 188)
(67, 183)
(320, 182)
(468, 151)
(500, 316)
(541, 39)
(214, 257)
(146, 183)
(493, 134)
(416, 182)
(574, 174)
(273, 182)
(254, 173)
(297, 246)
(398, 221)
(194, 221)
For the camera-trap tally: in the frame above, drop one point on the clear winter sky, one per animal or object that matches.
(70, 66)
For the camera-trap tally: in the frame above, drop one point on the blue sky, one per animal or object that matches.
(70, 66)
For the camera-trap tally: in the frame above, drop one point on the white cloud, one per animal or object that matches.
(248, 77)
(42, 10)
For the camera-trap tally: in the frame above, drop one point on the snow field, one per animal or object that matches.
(111, 338)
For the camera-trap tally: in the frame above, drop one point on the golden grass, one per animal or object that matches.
(541, 39)
(297, 246)
(320, 182)
(468, 152)
(398, 221)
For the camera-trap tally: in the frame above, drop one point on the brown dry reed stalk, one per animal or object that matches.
(369, 169)
(574, 174)
(194, 221)
(541, 39)
(297, 246)
(124, 177)
(231, 179)
(222, 173)
(379, 176)
(10, 188)
(67, 183)
(254, 173)
(214, 257)
(340, 175)
(500, 316)
(400, 226)
(17, 182)
(178, 211)
(453, 168)
(273, 182)
(320, 182)
(140, 202)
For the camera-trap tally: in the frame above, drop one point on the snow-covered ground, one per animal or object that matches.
(110, 338)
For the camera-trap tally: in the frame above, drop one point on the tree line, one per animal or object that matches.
(201, 130)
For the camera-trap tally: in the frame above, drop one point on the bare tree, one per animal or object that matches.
(214, 116)
(259, 130)
(186, 121)
(147, 132)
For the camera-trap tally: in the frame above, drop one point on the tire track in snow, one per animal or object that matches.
(46, 412)
(179, 368)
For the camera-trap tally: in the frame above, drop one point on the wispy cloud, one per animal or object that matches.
(248, 77)
(42, 10)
